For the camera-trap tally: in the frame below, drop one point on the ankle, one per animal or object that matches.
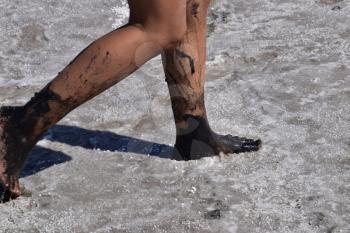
(194, 127)
(14, 118)
(194, 139)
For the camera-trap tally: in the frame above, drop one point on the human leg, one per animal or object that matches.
(184, 67)
(101, 65)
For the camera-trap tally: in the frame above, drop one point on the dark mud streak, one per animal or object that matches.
(38, 109)
(169, 78)
(194, 9)
(185, 98)
(40, 102)
(179, 80)
(92, 61)
(181, 105)
(183, 55)
(174, 84)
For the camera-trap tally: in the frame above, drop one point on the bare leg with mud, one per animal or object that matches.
(184, 68)
(101, 65)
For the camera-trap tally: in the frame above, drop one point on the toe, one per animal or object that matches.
(8, 196)
(240, 144)
(253, 145)
(14, 187)
(9, 189)
(240, 140)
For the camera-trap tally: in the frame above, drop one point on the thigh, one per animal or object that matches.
(170, 13)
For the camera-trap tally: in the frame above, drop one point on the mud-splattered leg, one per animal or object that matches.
(185, 74)
(101, 65)
(98, 67)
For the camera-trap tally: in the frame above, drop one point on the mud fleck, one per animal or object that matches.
(92, 60)
(107, 58)
(194, 9)
(183, 55)
(214, 214)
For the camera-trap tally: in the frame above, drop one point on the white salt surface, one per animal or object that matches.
(279, 70)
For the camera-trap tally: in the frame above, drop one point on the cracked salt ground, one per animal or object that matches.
(276, 69)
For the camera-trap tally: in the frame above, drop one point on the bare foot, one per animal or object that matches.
(198, 141)
(234, 144)
(14, 149)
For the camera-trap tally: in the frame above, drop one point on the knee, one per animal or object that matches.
(165, 23)
(170, 35)
(167, 35)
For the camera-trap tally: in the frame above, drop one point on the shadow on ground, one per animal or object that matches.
(42, 158)
(106, 141)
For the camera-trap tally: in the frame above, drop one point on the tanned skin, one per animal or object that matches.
(184, 67)
(174, 28)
